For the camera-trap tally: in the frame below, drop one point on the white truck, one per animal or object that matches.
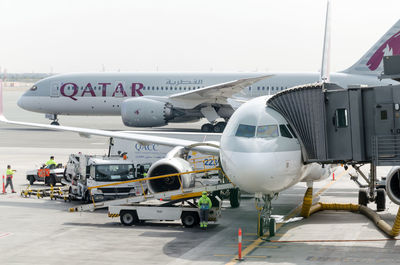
(82, 172)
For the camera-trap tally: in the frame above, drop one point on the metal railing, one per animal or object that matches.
(386, 150)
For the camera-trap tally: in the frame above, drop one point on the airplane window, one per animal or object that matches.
(157, 88)
(176, 88)
(258, 88)
(33, 88)
(267, 131)
(272, 88)
(249, 88)
(245, 131)
(181, 88)
(291, 130)
(263, 88)
(285, 131)
(198, 87)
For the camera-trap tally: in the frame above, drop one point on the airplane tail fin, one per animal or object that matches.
(325, 68)
(371, 62)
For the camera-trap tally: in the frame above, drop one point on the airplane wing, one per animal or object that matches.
(211, 148)
(219, 92)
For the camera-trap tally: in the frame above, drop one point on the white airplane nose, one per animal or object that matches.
(262, 172)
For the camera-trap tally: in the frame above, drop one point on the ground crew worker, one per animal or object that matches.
(10, 173)
(204, 205)
(51, 161)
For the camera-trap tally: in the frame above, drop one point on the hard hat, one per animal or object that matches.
(204, 192)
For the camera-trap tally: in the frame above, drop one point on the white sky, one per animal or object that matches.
(186, 35)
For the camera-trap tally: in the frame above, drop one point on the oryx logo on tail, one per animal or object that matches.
(389, 47)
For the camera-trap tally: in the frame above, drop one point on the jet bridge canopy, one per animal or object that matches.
(337, 125)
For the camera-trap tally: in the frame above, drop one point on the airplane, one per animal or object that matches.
(156, 99)
(258, 150)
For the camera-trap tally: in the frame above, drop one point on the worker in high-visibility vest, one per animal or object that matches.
(51, 161)
(204, 204)
(10, 173)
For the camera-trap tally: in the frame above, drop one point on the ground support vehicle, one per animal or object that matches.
(50, 175)
(155, 210)
(166, 205)
(83, 172)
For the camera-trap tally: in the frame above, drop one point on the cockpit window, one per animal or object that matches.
(246, 131)
(267, 131)
(33, 88)
(291, 130)
(285, 131)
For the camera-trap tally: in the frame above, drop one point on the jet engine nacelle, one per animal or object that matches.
(145, 112)
(393, 185)
(167, 166)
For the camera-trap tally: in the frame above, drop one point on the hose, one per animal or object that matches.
(308, 209)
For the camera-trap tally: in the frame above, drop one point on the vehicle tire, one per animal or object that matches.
(362, 197)
(208, 127)
(380, 200)
(54, 123)
(52, 180)
(190, 219)
(234, 197)
(272, 227)
(31, 180)
(128, 218)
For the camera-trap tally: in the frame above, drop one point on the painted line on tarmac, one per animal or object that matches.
(294, 212)
(5, 235)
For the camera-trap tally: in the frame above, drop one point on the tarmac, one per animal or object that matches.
(42, 231)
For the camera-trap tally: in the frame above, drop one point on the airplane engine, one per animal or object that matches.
(144, 112)
(393, 185)
(167, 166)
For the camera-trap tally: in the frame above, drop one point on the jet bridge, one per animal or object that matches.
(352, 126)
(336, 125)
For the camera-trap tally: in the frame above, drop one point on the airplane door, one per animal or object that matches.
(55, 90)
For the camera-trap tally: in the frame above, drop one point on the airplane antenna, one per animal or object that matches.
(327, 47)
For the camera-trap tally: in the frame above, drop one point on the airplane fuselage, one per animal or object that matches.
(103, 93)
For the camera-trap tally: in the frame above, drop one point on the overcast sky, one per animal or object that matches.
(186, 35)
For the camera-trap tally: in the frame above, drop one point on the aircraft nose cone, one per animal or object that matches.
(22, 102)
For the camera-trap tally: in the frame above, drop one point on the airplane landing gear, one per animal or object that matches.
(54, 119)
(265, 222)
(370, 192)
(217, 128)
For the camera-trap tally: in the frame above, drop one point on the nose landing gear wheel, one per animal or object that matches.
(272, 227)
